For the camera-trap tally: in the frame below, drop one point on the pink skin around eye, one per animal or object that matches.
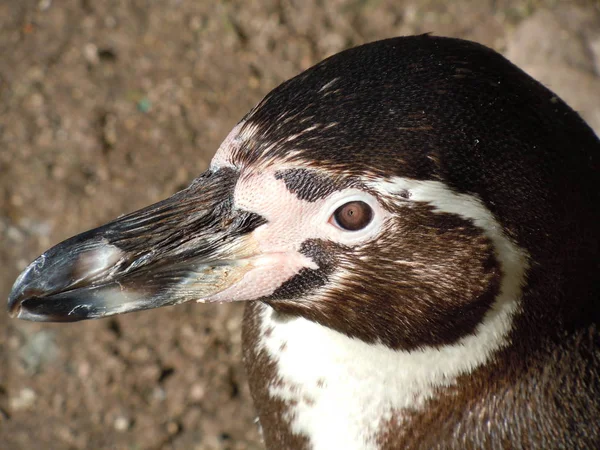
(290, 222)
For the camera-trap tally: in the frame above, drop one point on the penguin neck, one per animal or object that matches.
(329, 386)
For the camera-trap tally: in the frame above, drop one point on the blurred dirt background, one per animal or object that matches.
(109, 105)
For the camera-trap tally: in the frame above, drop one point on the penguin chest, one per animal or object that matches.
(331, 391)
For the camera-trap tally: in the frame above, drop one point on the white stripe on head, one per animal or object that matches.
(341, 390)
(223, 156)
(513, 260)
(244, 132)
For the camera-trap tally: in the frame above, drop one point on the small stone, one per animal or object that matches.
(43, 5)
(109, 129)
(141, 354)
(195, 23)
(24, 400)
(35, 73)
(84, 370)
(58, 173)
(197, 392)
(122, 423)
(253, 82)
(90, 52)
(14, 234)
(144, 105)
(173, 428)
(233, 325)
(36, 100)
(159, 394)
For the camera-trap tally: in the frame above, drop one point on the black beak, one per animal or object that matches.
(187, 247)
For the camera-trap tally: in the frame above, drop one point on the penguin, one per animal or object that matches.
(413, 227)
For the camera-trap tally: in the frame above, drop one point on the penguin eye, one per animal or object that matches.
(353, 216)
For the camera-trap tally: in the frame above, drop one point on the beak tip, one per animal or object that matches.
(17, 294)
(27, 287)
(16, 300)
(14, 312)
(23, 289)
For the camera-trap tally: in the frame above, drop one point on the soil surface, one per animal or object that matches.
(109, 105)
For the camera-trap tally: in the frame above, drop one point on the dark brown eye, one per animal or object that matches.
(353, 216)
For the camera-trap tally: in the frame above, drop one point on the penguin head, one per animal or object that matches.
(401, 192)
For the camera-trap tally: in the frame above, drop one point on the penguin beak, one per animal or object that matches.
(187, 247)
